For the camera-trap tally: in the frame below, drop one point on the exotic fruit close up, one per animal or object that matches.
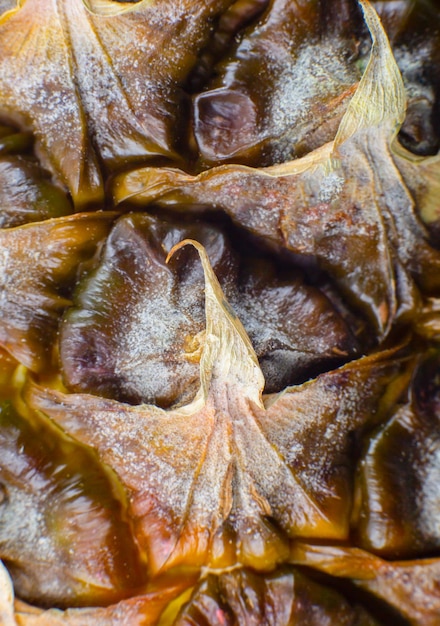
(219, 312)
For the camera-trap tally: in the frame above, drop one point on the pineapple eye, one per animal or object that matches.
(127, 339)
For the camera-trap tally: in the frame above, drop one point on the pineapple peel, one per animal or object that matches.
(91, 80)
(349, 204)
(223, 480)
(136, 321)
(64, 518)
(408, 586)
(188, 429)
(51, 251)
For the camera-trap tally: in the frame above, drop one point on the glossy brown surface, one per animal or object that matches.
(219, 313)
(283, 89)
(92, 87)
(136, 330)
(39, 265)
(398, 475)
(65, 534)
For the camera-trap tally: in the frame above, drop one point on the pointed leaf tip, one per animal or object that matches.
(228, 354)
(380, 99)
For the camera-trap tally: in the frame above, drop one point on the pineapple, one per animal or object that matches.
(220, 312)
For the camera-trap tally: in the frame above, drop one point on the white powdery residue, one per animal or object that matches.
(263, 332)
(4, 273)
(318, 69)
(163, 463)
(299, 453)
(316, 437)
(60, 118)
(412, 64)
(150, 380)
(103, 89)
(13, 281)
(150, 332)
(330, 187)
(258, 458)
(51, 101)
(175, 16)
(151, 325)
(99, 88)
(213, 481)
(172, 490)
(331, 432)
(428, 499)
(143, 92)
(24, 525)
(38, 82)
(282, 113)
